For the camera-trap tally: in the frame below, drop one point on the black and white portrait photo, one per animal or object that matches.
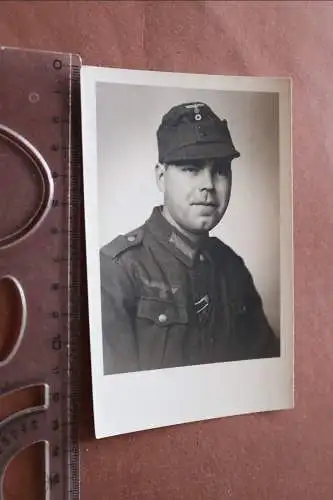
(188, 212)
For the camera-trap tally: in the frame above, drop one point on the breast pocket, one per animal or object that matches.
(162, 313)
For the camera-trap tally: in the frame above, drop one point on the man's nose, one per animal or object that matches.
(206, 179)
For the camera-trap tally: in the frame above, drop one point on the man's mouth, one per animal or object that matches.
(205, 204)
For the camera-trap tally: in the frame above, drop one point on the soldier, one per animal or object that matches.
(171, 294)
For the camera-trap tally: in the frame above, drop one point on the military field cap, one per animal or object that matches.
(192, 131)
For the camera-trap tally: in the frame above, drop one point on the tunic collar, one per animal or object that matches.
(172, 239)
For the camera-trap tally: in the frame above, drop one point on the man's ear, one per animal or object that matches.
(160, 170)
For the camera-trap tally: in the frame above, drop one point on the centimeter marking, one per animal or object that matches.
(58, 425)
(74, 251)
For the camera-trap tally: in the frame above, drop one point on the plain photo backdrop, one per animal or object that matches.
(127, 119)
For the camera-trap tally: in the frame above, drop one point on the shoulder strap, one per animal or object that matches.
(122, 243)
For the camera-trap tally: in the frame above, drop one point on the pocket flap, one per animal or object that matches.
(161, 312)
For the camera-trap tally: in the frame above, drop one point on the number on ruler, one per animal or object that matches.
(55, 479)
(55, 424)
(56, 343)
(56, 451)
(56, 397)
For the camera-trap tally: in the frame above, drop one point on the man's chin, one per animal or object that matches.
(203, 226)
(207, 223)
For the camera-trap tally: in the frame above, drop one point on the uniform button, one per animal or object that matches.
(202, 258)
(162, 318)
(130, 238)
(212, 340)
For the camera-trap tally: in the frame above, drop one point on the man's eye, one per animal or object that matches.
(190, 170)
(223, 171)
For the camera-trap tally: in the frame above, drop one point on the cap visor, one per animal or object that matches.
(202, 152)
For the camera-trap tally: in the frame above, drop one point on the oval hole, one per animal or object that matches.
(22, 399)
(18, 182)
(25, 475)
(13, 315)
(26, 187)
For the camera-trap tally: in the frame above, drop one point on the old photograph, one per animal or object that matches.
(188, 211)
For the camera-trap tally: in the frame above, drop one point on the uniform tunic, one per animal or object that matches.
(168, 303)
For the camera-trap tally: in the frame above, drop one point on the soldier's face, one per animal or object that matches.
(196, 195)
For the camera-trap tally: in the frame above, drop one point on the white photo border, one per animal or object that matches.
(129, 402)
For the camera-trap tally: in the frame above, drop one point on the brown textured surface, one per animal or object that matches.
(287, 455)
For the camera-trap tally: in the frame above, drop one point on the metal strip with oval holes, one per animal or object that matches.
(39, 112)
